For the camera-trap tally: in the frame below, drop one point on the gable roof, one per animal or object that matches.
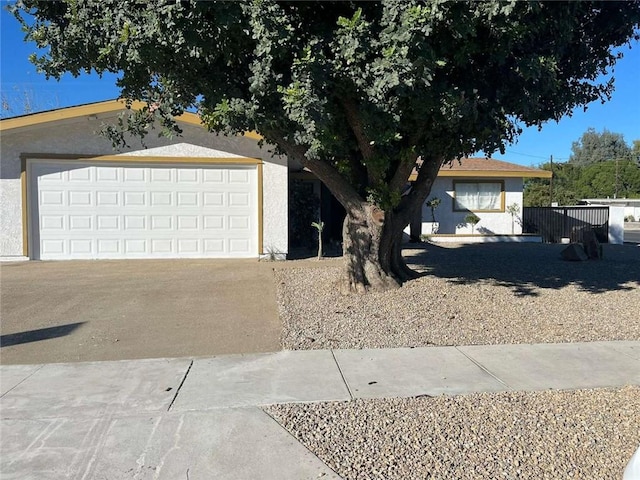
(486, 168)
(89, 109)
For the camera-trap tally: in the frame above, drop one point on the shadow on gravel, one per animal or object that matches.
(527, 267)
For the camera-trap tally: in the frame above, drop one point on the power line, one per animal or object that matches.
(533, 156)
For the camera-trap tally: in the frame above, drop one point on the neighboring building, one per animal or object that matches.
(65, 193)
(482, 186)
(631, 206)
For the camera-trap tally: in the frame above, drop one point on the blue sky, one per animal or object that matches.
(18, 79)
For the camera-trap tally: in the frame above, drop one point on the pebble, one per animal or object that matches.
(583, 434)
(506, 300)
(471, 295)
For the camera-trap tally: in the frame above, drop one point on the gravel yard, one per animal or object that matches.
(471, 295)
(587, 434)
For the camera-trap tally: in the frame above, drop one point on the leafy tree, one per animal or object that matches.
(635, 152)
(537, 191)
(571, 183)
(596, 147)
(613, 179)
(354, 91)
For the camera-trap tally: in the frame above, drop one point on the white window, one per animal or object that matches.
(478, 196)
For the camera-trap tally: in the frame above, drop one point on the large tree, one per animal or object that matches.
(594, 147)
(540, 192)
(354, 91)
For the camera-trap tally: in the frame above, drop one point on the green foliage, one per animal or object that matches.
(347, 88)
(513, 210)
(594, 147)
(433, 203)
(635, 152)
(537, 191)
(614, 179)
(602, 166)
(473, 219)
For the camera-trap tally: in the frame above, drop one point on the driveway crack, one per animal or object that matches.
(180, 386)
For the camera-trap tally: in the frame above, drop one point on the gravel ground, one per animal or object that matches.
(586, 434)
(472, 295)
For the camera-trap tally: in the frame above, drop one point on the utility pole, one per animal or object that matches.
(551, 184)
(615, 193)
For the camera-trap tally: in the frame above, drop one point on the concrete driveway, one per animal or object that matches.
(112, 310)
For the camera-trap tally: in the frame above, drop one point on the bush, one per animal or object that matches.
(629, 218)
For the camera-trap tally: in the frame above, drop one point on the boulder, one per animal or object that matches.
(592, 246)
(574, 253)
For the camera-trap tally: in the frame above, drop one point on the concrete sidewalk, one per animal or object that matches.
(200, 418)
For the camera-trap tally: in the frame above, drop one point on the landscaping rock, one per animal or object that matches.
(574, 253)
(592, 247)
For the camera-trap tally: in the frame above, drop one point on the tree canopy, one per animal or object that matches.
(354, 91)
(603, 165)
(593, 147)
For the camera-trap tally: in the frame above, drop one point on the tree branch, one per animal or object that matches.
(338, 186)
(400, 178)
(353, 119)
(420, 188)
(364, 143)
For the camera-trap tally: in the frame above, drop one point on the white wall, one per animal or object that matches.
(77, 136)
(616, 225)
(452, 222)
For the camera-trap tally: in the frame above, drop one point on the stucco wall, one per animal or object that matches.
(452, 222)
(77, 136)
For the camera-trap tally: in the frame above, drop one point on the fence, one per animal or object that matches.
(555, 223)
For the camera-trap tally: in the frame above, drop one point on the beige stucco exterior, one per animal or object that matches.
(74, 134)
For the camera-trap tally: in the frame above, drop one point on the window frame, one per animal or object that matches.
(501, 209)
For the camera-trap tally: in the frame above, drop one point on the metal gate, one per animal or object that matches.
(555, 223)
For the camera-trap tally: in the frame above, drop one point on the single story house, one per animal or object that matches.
(66, 194)
(487, 188)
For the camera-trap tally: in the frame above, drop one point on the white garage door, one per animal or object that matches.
(86, 210)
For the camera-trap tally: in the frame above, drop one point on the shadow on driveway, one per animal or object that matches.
(136, 309)
(38, 334)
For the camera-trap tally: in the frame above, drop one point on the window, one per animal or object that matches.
(478, 196)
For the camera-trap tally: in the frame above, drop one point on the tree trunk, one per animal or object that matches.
(372, 240)
(372, 245)
(364, 237)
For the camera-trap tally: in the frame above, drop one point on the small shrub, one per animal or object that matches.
(629, 218)
(319, 226)
(473, 219)
(433, 203)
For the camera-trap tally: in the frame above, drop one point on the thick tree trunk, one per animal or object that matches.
(372, 240)
(372, 245)
(363, 236)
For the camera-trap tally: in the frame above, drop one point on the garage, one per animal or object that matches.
(151, 208)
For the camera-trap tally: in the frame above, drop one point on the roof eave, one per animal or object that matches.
(108, 106)
(489, 174)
